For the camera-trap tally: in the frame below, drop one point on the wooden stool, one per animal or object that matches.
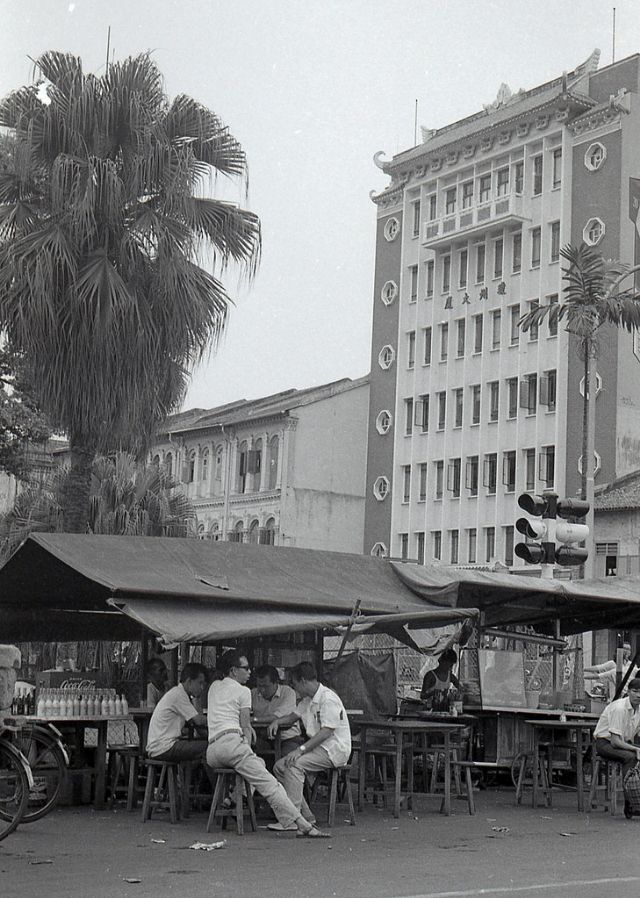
(464, 766)
(380, 755)
(336, 777)
(611, 774)
(226, 777)
(169, 779)
(125, 760)
(543, 779)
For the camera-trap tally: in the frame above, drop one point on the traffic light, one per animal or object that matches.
(548, 530)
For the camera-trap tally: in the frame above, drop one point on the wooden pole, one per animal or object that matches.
(352, 620)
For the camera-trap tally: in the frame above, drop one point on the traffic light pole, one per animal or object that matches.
(549, 546)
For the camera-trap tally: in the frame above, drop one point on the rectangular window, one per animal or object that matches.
(490, 472)
(514, 312)
(537, 175)
(411, 349)
(420, 547)
(508, 545)
(453, 477)
(437, 545)
(461, 328)
(472, 539)
(454, 542)
(480, 263)
(467, 194)
(502, 181)
(475, 404)
(422, 413)
(494, 400)
(516, 254)
(429, 269)
(484, 191)
(406, 483)
(413, 272)
(556, 180)
(518, 177)
(529, 393)
(489, 543)
(422, 481)
(404, 546)
(426, 333)
(446, 274)
(444, 342)
(442, 409)
(555, 241)
(512, 397)
(471, 475)
(439, 478)
(534, 330)
(450, 201)
(457, 396)
(477, 333)
(416, 218)
(551, 318)
(529, 469)
(433, 207)
(496, 328)
(547, 465)
(462, 279)
(498, 248)
(536, 237)
(509, 470)
(408, 417)
(548, 383)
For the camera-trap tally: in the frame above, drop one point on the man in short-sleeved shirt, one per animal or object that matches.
(617, 727)
(328, 735)
(270, 700)
(170, 715)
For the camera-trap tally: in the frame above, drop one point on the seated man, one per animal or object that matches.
(438, 682)
(170, 715)
(617, 727)
(157, 675)
(328, 735)
(271, 700)
(230, 738)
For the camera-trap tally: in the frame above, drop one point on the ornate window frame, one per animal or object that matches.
(389, 292)
(598, 384)
(391, 229)
(384, 421)
(593, 231)
(386, 357)
(595, 156)
(597, 463)
(379, 550)
(381, 488)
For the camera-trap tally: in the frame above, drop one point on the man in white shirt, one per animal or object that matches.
(617, 727)
(607, 672)
(231, 736)
(170, 715)
(271, 700)
(328, 735)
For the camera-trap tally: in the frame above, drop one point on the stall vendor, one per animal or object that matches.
(607, 672)
(437, 683)
(271, 699)
(158, 675)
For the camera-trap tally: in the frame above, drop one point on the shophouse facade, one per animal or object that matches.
(466, 410)
(286, 469)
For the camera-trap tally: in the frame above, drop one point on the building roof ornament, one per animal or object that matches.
(503, 98)
(380, 163)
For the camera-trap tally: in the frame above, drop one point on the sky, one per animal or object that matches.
(312, 89)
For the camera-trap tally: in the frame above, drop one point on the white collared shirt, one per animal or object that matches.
(169, 717)
(619, 718)
(326, 710)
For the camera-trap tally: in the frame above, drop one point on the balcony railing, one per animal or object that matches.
(474, 220)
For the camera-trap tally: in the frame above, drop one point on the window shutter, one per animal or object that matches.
(185, 473)
(544, 390)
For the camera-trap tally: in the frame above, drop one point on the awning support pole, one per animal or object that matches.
(352, 620)
(527, 637)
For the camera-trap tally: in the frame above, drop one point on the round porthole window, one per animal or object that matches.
(384, 421)
(593, 231)
(389, 292)
(381, 488)
(595, 156)
(391, 229)
(386, 357)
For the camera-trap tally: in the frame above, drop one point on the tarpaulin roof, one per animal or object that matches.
(61, 585)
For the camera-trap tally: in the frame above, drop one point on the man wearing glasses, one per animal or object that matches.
(615, 731)
(231, 736)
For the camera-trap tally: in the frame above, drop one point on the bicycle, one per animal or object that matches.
(16, 782)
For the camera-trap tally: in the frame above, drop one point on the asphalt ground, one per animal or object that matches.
(504, 850)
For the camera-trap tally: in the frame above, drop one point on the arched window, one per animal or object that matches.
(214, 532)
(274, 448)
(256, 464)
(156, 461)
(217, 471)
(238, 532)
(241, 474)
(168, 463)
(204, 470)
(254, 532)
(201, 532)
(191, 467)
(268, 535)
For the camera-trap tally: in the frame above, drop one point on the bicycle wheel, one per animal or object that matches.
(48, 767)
(14, 789)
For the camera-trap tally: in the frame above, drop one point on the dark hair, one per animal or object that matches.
(268, 670)
(448, 655)
(304, 671)
(156, 663)
(634, 684)
(230, 660)
(192, 671)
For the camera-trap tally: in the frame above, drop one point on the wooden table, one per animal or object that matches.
(261, 728)
(141, 717)
(582, 729)
(80, 724)
(399, 729)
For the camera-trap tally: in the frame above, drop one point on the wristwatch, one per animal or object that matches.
(303, 748)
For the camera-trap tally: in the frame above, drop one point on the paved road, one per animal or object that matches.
(80, 853)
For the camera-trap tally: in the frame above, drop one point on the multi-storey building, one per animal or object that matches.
(466, 410)
(287, 469)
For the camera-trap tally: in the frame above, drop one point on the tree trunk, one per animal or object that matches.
(585, 417)
(588, 451)
(77, 490)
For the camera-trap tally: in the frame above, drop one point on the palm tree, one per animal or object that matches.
(103, 220)
(588, 305)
